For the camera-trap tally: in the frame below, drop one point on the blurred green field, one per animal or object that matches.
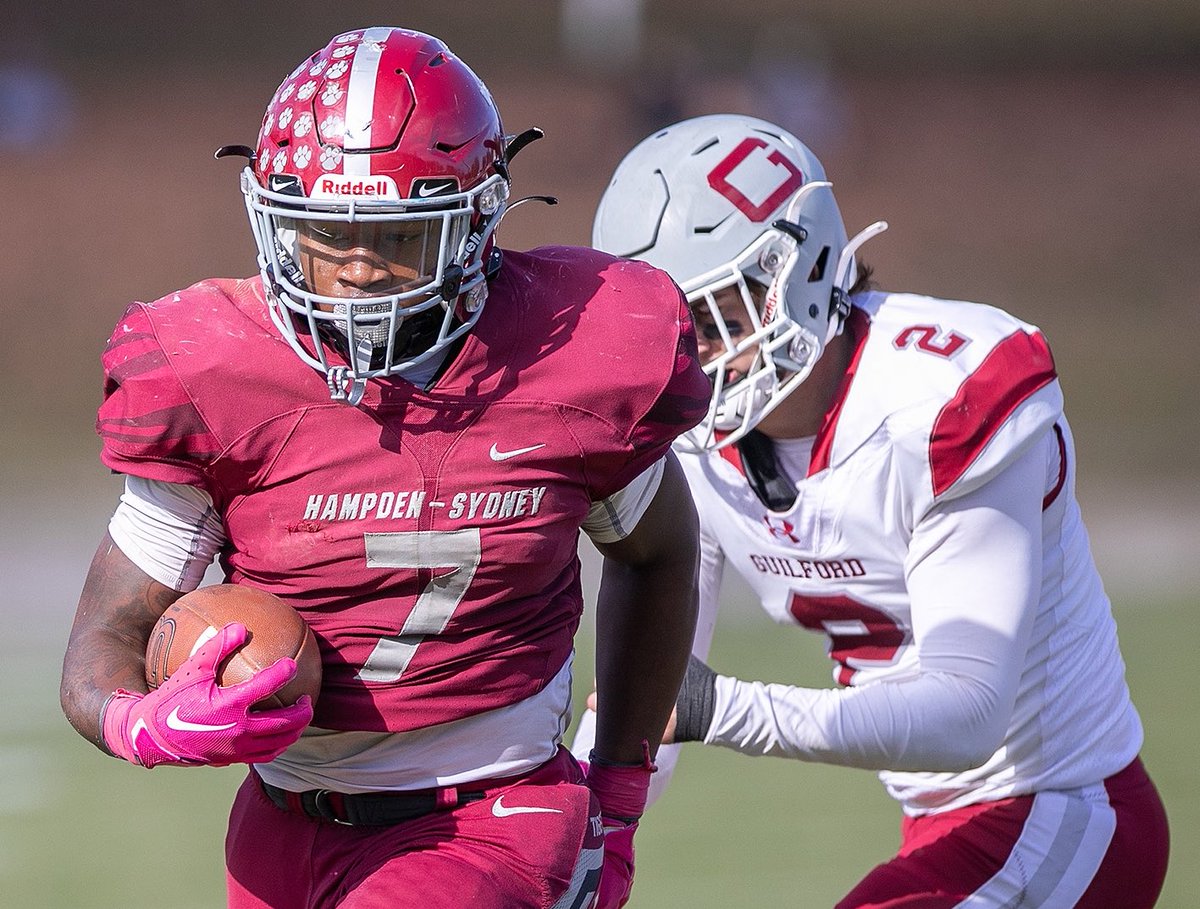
(80, 830)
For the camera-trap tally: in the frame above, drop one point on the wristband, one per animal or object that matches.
(621, 787)
(696, 702)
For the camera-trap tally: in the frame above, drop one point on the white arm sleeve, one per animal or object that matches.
(973, 576)
(169, 530)
(614, 518)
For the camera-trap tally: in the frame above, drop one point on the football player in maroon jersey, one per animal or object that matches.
(895, 472)
(400, 429)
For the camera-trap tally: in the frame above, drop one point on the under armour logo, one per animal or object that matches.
(781, 529)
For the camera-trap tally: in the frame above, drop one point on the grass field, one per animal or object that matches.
(80, 830)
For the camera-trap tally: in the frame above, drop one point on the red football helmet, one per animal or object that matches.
(385, 139)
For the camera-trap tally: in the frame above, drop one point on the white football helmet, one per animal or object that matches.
(730, 201)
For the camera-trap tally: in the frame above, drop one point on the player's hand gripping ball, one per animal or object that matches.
(274, 630)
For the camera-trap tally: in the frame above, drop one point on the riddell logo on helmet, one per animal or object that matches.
(771, 304)
(334, 186)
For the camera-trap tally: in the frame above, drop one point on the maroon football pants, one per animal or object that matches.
(1097, 847)
(532, 842)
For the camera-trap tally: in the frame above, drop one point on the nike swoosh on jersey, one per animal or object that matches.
(499, 809)
(497, 455)
(181, 725)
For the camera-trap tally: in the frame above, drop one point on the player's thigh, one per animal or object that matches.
(527, 846)
(1086, 848)
(535, 844)
(269, 854)
(1135, 865)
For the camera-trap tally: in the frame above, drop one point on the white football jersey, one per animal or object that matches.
(946, 403)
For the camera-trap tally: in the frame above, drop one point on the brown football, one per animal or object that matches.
(274, 628)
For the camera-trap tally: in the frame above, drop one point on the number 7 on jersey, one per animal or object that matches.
(457, 550)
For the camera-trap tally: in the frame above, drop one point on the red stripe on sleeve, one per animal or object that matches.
(1016, 368)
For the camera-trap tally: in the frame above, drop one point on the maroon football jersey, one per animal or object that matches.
(428, 537)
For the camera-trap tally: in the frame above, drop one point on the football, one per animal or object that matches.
(274, 629)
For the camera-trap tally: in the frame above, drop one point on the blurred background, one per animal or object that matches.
(1039, 156)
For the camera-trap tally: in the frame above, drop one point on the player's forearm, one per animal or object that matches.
(933, 722)
(107, 646)
(645, 621)
(96, 665)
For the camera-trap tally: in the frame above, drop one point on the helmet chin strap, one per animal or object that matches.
(343, 386)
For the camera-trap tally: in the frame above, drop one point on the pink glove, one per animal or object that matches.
(191, 720)
(616, 877)
(621, 790)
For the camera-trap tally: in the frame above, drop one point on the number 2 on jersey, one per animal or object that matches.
(932, 340)
(457, 553)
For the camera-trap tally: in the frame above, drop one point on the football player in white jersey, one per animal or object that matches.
(895, 472)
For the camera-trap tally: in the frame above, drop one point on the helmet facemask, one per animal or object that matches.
(437, 243)
(798, 308)
(728, 302)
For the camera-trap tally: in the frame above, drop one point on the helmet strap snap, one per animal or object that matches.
(451, 283)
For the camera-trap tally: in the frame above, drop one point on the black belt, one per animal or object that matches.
(368, 809)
